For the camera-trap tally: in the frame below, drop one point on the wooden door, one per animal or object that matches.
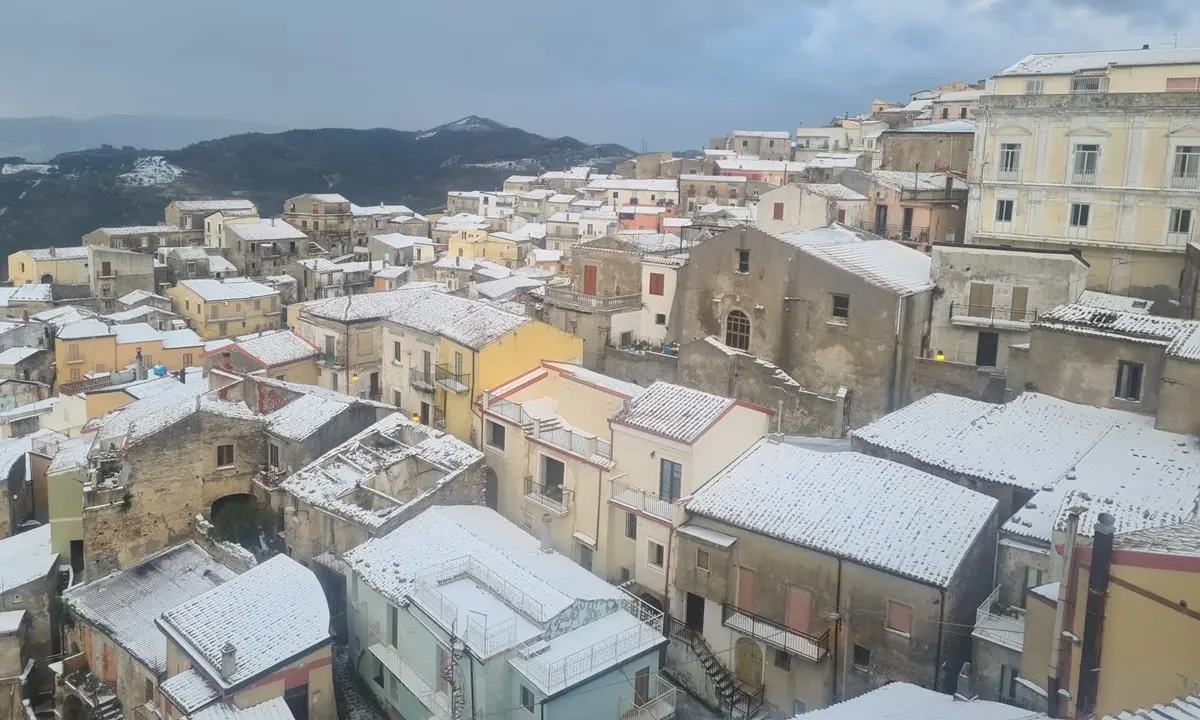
(589, 279)
(745, 589)
(641, 687)
(748, 662)
(799, 608)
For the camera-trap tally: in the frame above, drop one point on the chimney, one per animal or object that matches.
(546, 545)
(1093, 619)
(964, 689)
(949, 185)
(139, 367)
(228, 661)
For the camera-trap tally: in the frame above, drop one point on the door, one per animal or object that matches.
(799, 608)
(641, 687)
(906, 228)
(375, 390)
(881, 219)
(424, 413)
(748, 662)
(589, 279)
(426, 366)
(745, 589)
(693, 612)
(986, 348)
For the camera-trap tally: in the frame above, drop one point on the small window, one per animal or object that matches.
(702, 559)
(631, 526)
(495, 435)
(657, 283)
(1033, 87)
(224, 455)
(377, 676)
(962, 112)
(945, 113)
(670, 480)
(899, 617)
(1181, 221)
(1080, 214)
(783, 661)
(1004, 210)
(527, 699)
(841, 306)
(273, 455)
(862, 657)
(397, 351)
(777, 211)
(396, 398)
(1129, 380)
(743, 261)
(660, 319)
(655, 554)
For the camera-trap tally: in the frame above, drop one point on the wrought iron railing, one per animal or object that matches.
(555, 498)
(642, 500)
(910, 233)
(741, 701)
(655, 701)
(453, 379)
(795, 642)
(992, 313)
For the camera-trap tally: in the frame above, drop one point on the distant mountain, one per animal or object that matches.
(41, 138)
(56, 202)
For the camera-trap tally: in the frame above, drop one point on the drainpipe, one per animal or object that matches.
(1057, 673)
(1093, 621)
(937, 660)
(837, 632)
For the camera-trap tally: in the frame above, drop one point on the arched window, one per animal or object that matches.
(737, 330)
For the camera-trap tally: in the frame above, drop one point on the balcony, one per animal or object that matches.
(333, 360)
(421, 380)
(656, 701)
(643, 501)
(551, 431)
(571, 300)
(793, 642)
(999, 623)
(1186, 181)
(1083, 177)
(899, 233)
(991, 316)
(452, 379)
(1011, 175)
(554, 498)
(436, 701)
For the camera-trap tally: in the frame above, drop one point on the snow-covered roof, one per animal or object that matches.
(901, 180)
(380, 209)
(756, 165)
(673, 411)
(872, 511)
(392, 271)
(274, 347)
(273, 613)
(331, 481)
(883, 263)
(959, 96)
(776, 373)
(1070, 455)
(1180, 539)
(651, 185)
(834, 160)
(1131, 327)
(126, 604)
(141, 230)
(265, 230)
(188, 690)
(1066, 63)
(134, 313)
(89, 328)
(1120, 303)
(903, 701)
(369, 306)
(319, 265)
(461, 221)
(71, 252)
(328, 197)
(1186, 345)
(213, 205)
(506, 287)
(469, 323)
(27, 556)
(400, 240)
(950, 126)
(225, 290)
(833, 191)
(564, 217)
(1184, 708)
(184, 337)
(218, 264)
(142, 418)
(59, 317)
(137, 296)
(580, 374)
(32, 292)
(772, 134)
(14, 355)
(136, 333)
(561, 198)
(543, 255)
(11, 621)
(71, 455)
(736, 179)
(274, 709)
(650, 242)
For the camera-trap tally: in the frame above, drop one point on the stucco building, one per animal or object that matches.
(939, 147)
(225, 308)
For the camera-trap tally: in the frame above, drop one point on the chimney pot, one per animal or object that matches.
(228, 661)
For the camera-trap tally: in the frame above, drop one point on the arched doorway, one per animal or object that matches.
(748, 662)
(237, 518)
(73, 708)
(491, 489)
(47, 279)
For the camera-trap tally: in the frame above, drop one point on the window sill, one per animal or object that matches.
(862, 669)
(1127, 400)
(655, 568)
(493, 448)
(837, 323)
(897, 633)
(221, 468)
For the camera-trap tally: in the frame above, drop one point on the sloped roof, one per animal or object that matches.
(1137, 327)
(872, 511)
(883, 263)
(904, 701)
(371, 306)
(264, 230)
(70, 252)
(275, 347)
(1072, 62)
(469, 323)
(673, 411)
(1186, 708)
(26, 556)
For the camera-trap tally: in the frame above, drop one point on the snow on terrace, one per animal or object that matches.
(61, 253)
(127, 603)
(273, 613)
(26, 557)
(151, 171)
(392, 458)
(875, 512)
(460, 562)
(1069, 455)
(231, 204)
(265, 230)
(903, 701)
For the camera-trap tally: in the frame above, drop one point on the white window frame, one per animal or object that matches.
(1074, 230)
(1180, 222)
(1190, 178)
(1014, 150)
(1076, 176)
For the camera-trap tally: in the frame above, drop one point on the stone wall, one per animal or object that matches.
(641, 367)
(934, 376)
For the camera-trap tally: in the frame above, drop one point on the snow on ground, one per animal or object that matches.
(354, 700)
(26, 167)
(151, 172)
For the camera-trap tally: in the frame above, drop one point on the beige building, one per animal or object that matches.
(326, 218)
(219, 309)
(1098, 151)
(191, 214)
(620, 192)
(264, 247)
(65, 265)
(697, 190)
(916, 208)
(143, 238)
(794, 207)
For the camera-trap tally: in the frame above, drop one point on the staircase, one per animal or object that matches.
(450, 674)
(740, 703)
(107, 707)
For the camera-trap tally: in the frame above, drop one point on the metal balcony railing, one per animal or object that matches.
(555, 498)
(552, 432)
(1083, 177)
(420, 379)
(1185, 181)
(643, 501)
(654, 701)
(975, 314)
(1012, 175)
(897, 232)
(572, 300)
(451, 378)
(999, 623)
(794, 642)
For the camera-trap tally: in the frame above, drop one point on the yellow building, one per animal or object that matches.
(1098, 151)
(64, 265)
(1148, 624)
(440, 352)
(224, 308)
(91, 346)
(500, 248)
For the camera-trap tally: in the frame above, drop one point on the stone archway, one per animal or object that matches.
(73, 708)
(47, 279)
(236, 518)
(748, 662)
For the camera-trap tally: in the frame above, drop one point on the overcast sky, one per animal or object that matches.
(669, 72)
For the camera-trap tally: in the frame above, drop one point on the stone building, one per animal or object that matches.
(189, 263)
(190, 214)
(326, 218)
(29, 583)
(941, 147)
(831, 307)
(370, 485)
(159, 462)
(15, 688)
(115, 272)
(264, 247)
(773, 601)
(143, 238)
